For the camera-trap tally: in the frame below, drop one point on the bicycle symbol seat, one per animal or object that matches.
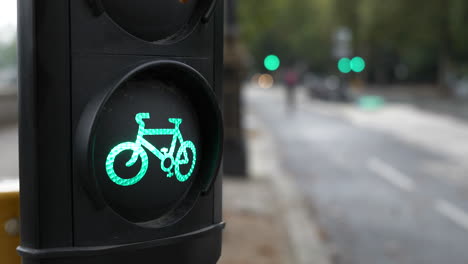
(181, 156)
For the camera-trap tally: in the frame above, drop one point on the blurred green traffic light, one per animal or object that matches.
(344, 65)
(357, 64)
(272, 62)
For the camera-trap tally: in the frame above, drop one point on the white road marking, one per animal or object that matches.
(453, 213)
(390, 174)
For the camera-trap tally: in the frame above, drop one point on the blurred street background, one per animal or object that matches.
(346, 130)
(366, 104)
(8, 96)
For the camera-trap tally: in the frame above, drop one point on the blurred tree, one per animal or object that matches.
(423, 34)
(8, 54)
(458, 23)
(427, 36)
(295, 30)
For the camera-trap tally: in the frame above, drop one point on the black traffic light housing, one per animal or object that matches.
(120, 131)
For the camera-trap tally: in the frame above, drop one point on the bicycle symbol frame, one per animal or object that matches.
(138, 148)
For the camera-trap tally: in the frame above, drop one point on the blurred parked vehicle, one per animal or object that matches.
(330, 88)
(460, 88)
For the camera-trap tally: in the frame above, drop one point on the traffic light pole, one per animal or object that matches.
(235, 162)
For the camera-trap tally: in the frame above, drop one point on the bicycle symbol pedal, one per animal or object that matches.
(171, 160)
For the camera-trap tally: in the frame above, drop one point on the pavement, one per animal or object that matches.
(267, 220)
(387, 186)
(9, 153)
(8, 138)
(423, 97)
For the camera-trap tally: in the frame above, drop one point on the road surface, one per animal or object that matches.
(388, 186)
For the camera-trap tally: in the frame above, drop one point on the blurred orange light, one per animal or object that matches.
(265, 81)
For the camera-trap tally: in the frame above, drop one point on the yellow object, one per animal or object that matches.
(9, 227)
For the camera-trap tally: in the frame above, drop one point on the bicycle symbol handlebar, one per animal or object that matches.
(165, 154)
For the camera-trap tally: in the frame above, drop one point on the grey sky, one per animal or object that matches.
(7, 20)
(8, 13)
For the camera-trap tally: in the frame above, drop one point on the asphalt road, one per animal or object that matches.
(388, 187)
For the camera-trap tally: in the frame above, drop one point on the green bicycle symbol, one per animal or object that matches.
(165, 154)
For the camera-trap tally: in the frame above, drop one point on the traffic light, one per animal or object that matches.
(272, 62)
(356, 64)
(120, 131)
(344, 65)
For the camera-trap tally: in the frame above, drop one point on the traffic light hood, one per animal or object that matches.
(156, 21)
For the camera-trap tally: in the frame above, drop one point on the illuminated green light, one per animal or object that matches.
(358, 64)
(181, 157)
(344, 65)
(272, 62)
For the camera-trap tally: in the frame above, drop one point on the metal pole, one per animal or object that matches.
(235, 160)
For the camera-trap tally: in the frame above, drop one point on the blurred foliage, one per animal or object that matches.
(286, 28)
(8, 54)
(428, 37)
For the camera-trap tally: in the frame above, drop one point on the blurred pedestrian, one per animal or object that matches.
(291, 79)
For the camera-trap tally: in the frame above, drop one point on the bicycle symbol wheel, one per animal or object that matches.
(129, 146)
(187, 145)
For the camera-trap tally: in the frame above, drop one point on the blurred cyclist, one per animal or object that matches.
(291, 79)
